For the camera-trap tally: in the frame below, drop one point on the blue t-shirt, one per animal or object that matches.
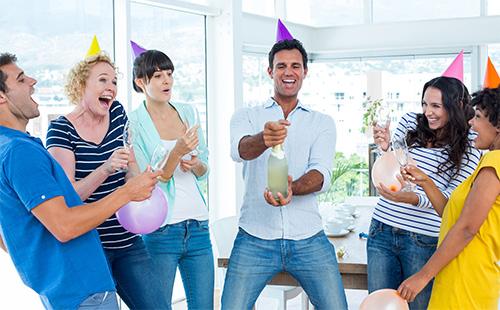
(88, 157)
(63, 274)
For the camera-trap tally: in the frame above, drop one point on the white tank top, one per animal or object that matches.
(189, 204)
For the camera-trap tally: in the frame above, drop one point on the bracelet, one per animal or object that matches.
(162, 179)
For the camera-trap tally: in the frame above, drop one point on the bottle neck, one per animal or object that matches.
(277, 151)
(277, 148)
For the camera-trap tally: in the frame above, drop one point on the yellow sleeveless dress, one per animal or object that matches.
(472, 279)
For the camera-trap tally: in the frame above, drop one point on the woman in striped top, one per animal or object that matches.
(405, 226)
(88, 143)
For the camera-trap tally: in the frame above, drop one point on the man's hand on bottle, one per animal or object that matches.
(281, 201)
(275, 132)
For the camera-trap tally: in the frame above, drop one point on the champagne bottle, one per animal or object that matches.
(277, 172)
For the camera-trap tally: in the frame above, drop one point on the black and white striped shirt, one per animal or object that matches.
(88, 157)
(422, 218)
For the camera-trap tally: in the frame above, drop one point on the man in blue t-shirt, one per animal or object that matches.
(44, 225)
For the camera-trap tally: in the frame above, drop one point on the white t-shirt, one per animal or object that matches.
(189, 205)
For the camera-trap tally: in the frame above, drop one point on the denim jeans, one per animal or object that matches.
(100, 301)
(137, 280)
(254, 262)
(185, 245)
(394, 255)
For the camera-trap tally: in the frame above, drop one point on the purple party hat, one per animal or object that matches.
(137, 49)
(282, 33)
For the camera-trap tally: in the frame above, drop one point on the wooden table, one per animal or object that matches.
(352, 266)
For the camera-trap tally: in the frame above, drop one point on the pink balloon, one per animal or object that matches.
(385, 299)
(385, 170)
(143, 217)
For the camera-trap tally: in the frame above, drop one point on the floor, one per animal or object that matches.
(354, 299)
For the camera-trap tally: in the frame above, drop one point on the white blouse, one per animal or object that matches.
(189, 205)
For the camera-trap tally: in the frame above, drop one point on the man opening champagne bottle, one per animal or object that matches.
(283, 232)
(277, 172)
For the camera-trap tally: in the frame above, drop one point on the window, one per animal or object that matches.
(398, 80)
(182, 37)
(494, 53)
(42, 36)
(257, 85)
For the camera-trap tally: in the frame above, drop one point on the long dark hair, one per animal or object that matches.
(453, 137)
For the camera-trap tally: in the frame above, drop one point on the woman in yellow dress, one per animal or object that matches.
(466, 263)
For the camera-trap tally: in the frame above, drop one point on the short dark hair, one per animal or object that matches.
(146, 64)
(5, 59)
(488, 101)
(287, 45)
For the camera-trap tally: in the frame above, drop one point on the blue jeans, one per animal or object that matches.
(100, 301)
(185, 245)
(394, 255)
(137, 281)
(254, 262)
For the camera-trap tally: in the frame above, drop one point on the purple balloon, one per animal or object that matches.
(143, 217)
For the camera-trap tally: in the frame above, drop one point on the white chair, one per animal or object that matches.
(224, 231)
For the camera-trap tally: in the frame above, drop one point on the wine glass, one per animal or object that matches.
(403, 157)
(159, 157)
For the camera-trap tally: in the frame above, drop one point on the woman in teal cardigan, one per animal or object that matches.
(183, 240)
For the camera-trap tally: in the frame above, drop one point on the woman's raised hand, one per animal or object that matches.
(381, 136)
(188, 142)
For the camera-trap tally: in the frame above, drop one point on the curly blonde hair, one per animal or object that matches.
(78, 75)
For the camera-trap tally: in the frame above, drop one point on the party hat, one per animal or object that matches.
(456, 69)
(491, 78)
(94, 48)
(282, 33)
(137, 49)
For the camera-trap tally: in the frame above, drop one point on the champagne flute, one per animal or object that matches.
(126, 140)
(189, 125)
(127, 136)
(402, 154)
(382, 121)
(159, 157)
(158, 160)
(383, 116)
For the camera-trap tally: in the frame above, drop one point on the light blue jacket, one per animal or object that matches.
(146, 138)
